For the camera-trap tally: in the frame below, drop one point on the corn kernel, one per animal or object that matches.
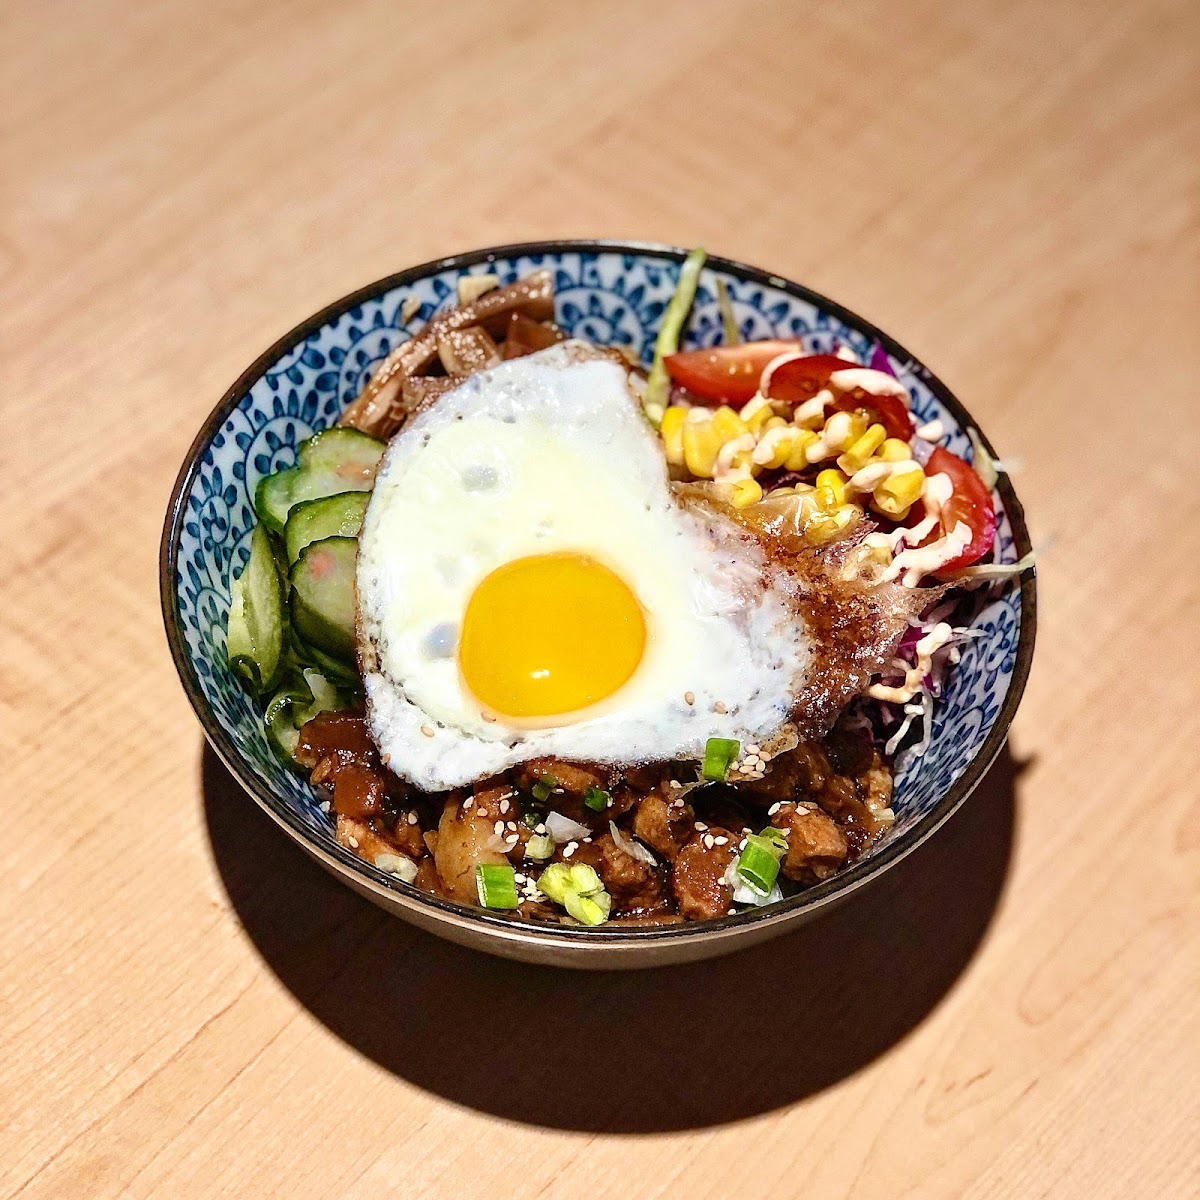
(859, 453)
(895, 496)
(672, 433)
(831, 489)
(756, 412)
(735, 459)
(775, 445)
(728, 424)
(777, 423)
(849, 431)
(745, 492)
(811, 414)
(894, 450)
(701, 444)
(797, 458)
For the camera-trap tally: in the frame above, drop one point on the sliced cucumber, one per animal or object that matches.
(342, 672)
(254, 635)
(330, 462)
(273, 497)
(323, 595)
(301, 699)
(349, 453)
(280, 725)
(340, 515)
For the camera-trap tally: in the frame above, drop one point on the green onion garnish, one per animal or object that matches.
(589, 910)
(531, 819)
(558, 879)
(597, 799)
(554, 881)
(540, 847)
(758, 864)
(776, 838)
(496, 884)
(544, 786)
(578, 888)
(719, 756)
(658, 382)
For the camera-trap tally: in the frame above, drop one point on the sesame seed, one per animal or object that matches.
(539, 828)
(324, 806)
(412, 818)
(708, 840)
(499, 828)
(700, 825)
(353, 843)
(481, 812)
(571, 847)
(427, 730)
(511, 826)
(489, 717)
(720, 708)
(774, 808)
(504, 806)
(732, 912)
(511, 840)
(720, 841)
(752, 748)
(689, 697)
(518, 877)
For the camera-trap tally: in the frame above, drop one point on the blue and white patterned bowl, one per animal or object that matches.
(611, 293)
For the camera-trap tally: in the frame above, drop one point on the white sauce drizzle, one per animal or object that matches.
(940, 635)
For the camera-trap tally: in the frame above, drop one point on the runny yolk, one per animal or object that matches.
(550, 634)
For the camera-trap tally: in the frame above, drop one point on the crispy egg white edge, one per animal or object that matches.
(756, 593)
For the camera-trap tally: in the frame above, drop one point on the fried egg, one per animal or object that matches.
(529, 585)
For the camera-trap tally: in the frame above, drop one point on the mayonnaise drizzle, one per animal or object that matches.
(914, 676)
(874, 383)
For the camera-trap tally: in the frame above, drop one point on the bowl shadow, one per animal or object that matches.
(628, 1052)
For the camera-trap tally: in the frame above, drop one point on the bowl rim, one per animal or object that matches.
(394, 892)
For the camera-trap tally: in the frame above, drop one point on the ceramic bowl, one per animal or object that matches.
(610, 293)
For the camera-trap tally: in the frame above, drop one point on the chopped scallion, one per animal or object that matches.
(496, 884)
(589, 910)
(758, 864)
(719, 756)
(531, 819)
(578, 889)
(597, 799)
(539, 847)
(555, 881)
(776, 837)
(544, 786)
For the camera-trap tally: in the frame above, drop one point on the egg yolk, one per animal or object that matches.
(550, 634)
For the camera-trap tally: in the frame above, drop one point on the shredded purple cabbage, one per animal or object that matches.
(879, 360)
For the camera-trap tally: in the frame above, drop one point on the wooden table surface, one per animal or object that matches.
(189, 1008)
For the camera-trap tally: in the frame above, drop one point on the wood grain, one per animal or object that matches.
(190, 1009)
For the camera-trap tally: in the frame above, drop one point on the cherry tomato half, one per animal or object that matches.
(970, 502)
(725, 374)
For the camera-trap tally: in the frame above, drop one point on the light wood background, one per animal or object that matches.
(188, 1008)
